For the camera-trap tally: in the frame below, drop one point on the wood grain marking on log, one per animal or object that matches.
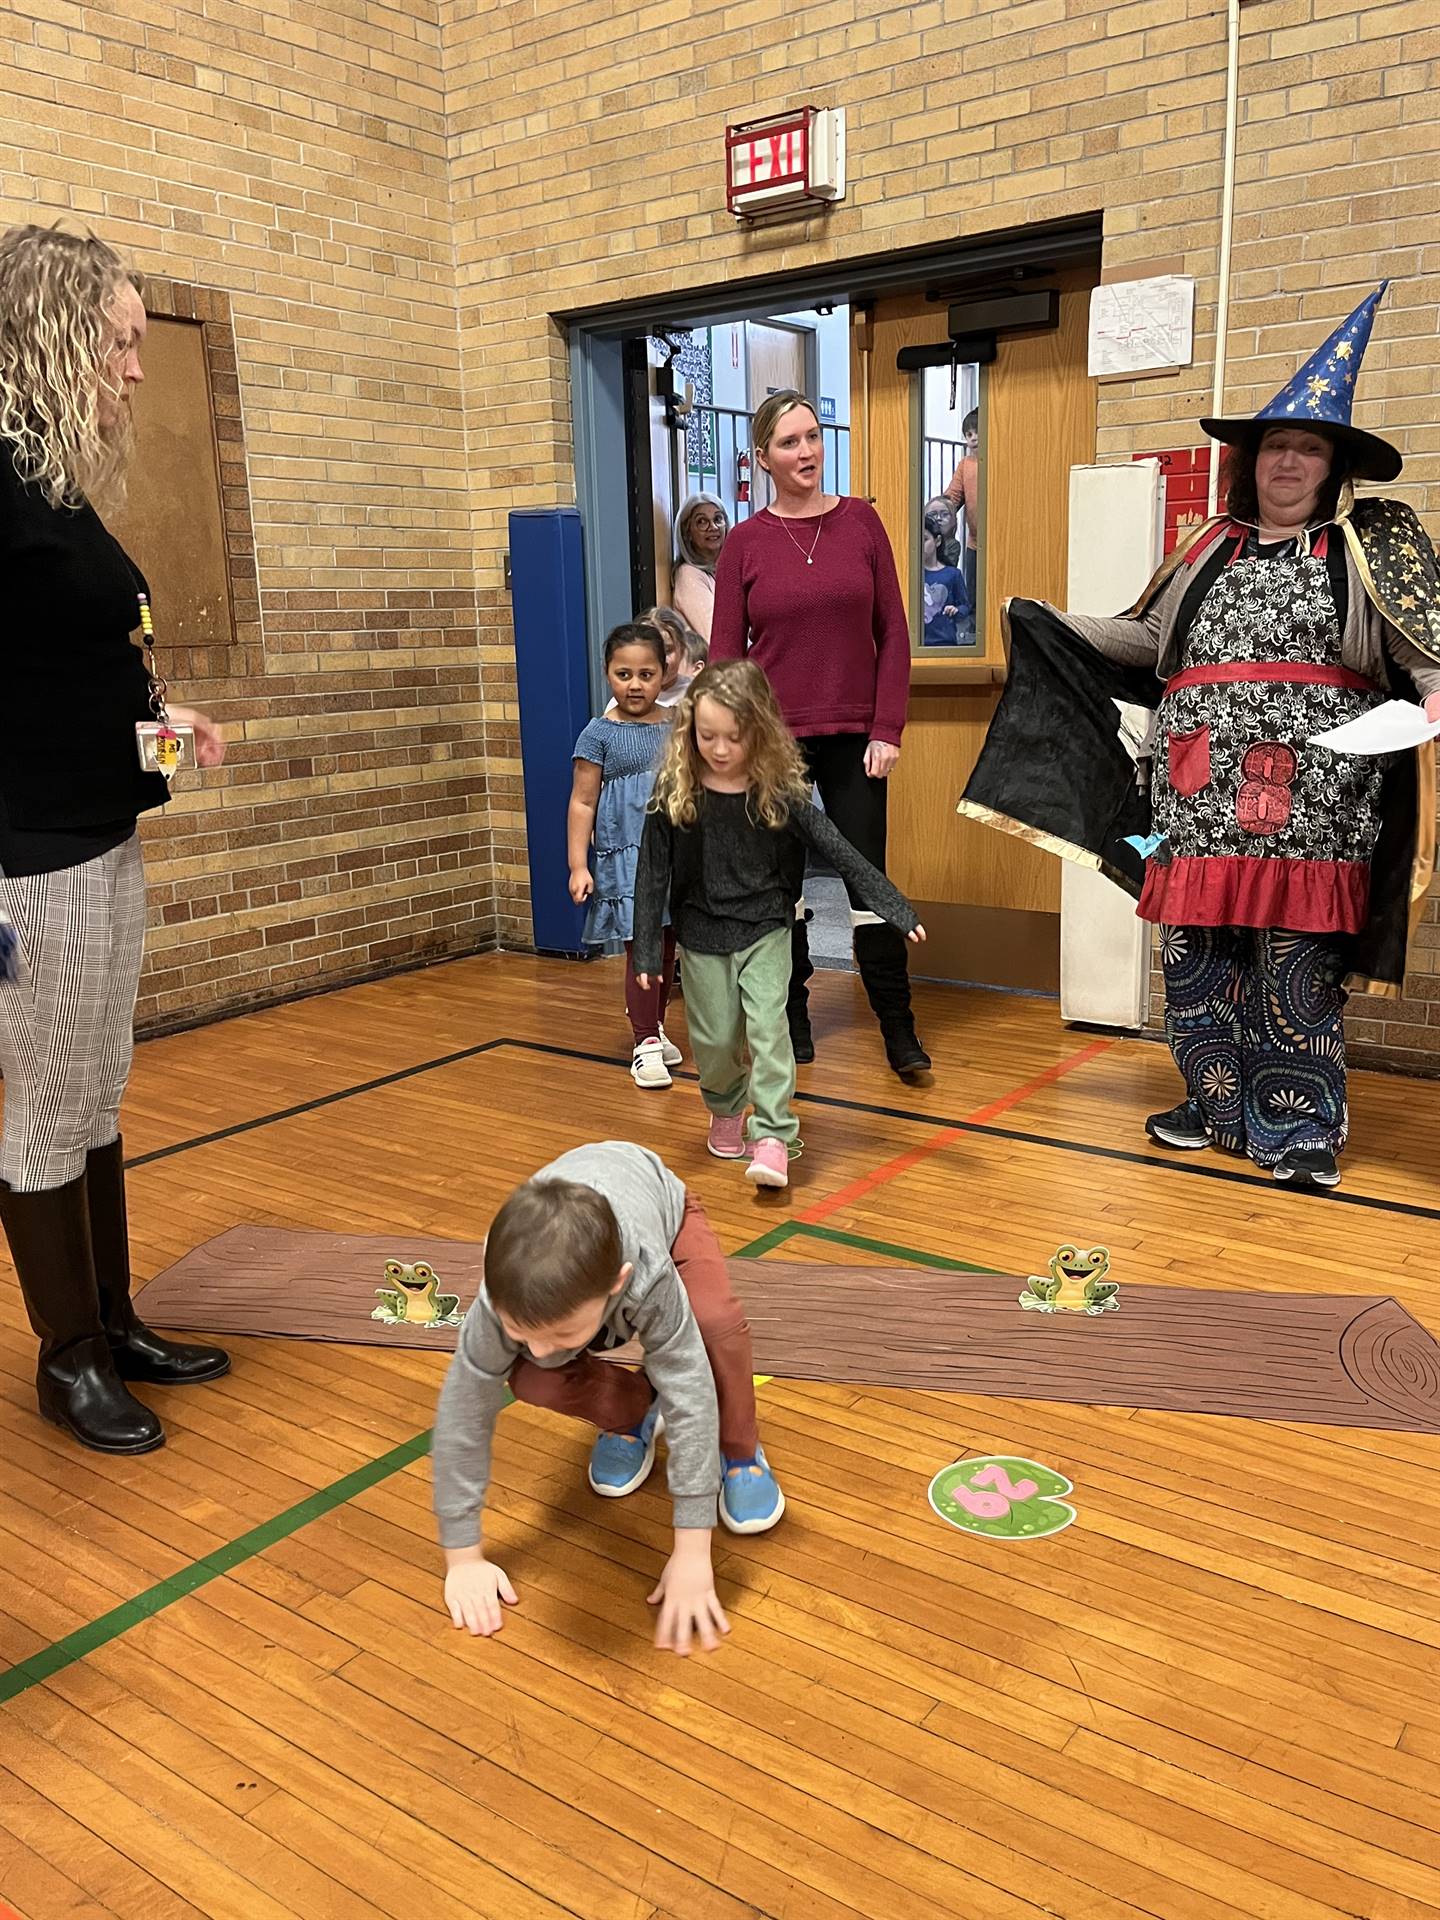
(902, 1162)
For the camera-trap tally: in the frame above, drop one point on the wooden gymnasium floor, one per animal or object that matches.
(1215, 1694)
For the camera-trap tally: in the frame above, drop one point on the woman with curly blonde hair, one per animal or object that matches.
(72, 786)
(725, 840)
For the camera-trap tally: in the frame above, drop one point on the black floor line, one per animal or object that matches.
(1332, 1196)
(321, 1100)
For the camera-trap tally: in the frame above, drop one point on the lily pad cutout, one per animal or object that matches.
(1002, 1498)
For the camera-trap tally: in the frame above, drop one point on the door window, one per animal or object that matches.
(946, 549)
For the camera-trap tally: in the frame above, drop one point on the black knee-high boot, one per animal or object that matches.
(138, 1353)
(797, 1004)
(880, 956)
(76, 1382)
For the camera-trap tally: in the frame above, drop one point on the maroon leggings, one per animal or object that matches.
(618, 1398)
(646, 1005)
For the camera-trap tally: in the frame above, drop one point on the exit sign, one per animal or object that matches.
(787, 161)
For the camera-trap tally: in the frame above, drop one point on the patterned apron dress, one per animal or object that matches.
(1265, 864)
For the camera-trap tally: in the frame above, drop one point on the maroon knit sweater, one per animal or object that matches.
(832, 638)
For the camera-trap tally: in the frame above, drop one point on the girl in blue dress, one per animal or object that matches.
(615, 759)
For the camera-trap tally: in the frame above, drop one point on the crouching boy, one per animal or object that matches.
(601, 1247)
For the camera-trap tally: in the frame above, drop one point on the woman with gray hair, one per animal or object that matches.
(86, 739)
(700, 529)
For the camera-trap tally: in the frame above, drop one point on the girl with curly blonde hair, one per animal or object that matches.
(725, 840)
(72, 787)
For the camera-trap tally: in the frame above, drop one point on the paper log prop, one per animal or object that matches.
(1334, 1360)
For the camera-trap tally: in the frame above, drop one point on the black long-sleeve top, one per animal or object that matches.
(74, 683)
(730, 879)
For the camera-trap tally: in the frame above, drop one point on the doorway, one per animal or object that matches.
(689, 431)
(994, 429)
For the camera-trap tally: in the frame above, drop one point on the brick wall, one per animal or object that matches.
(586, 154)
(358, 178)
(289, 161)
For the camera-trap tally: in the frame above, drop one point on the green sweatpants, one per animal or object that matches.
(737, 999)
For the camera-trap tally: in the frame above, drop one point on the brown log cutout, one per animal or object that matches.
(1337, 1360)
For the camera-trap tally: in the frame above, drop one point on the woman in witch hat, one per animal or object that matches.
(1280, 873)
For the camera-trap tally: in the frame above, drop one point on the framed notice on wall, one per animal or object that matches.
(1142, 326)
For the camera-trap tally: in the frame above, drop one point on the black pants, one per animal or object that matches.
(856, 804)
(857, 807)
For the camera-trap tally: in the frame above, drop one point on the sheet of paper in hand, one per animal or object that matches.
(1389, 728)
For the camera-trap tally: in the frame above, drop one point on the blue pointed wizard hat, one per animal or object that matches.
(1320, 398)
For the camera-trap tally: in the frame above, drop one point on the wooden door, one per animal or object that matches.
(990, 903)
(774, 360)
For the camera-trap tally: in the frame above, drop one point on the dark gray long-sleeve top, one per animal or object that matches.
(730, 879)
(648, 1203)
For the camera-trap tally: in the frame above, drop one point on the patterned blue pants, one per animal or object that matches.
(1255, 1020)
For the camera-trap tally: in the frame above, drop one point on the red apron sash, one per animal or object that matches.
(1296, 672)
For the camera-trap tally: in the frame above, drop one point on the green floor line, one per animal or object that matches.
(109, 1626)
(85, 1640)
(889, 1249)
(767, 1243)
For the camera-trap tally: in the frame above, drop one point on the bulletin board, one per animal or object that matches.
(173, 523)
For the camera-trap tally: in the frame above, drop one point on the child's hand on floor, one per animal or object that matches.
(582, 884)
(688, 1601)
(473, 1592)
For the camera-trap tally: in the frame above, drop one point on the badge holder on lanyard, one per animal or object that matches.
(164, 747)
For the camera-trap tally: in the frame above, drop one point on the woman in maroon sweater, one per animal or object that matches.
(807, 588)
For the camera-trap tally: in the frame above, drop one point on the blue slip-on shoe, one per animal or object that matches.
(621, 1462)
(750, 1497)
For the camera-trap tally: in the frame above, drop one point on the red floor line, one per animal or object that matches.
(902, 1162)
(983, 1115)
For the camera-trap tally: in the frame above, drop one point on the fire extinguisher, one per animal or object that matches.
(742, 477)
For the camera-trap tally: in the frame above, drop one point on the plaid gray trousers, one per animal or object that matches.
(67, 1024)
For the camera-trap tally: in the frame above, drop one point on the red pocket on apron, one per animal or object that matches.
(1188, 760)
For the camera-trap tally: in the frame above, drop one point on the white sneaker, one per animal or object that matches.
(647, 1065)
(671, 1053)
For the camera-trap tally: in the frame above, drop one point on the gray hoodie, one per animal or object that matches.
(648, 1203)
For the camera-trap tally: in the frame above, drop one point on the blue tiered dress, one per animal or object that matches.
(626, 752)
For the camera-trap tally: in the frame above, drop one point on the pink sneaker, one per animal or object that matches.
(727, 1136)
(769, 1164)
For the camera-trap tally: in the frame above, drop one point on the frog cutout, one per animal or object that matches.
(1001, 1498)
(413, 1297)
(1076, 1283)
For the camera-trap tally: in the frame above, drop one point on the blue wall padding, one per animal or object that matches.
(552, 670)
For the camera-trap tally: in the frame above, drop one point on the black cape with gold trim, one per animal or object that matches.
(1053, 769)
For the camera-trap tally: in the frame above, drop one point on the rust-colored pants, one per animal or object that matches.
(616, 1398)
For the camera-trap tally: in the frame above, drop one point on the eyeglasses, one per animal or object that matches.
(709, 526)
